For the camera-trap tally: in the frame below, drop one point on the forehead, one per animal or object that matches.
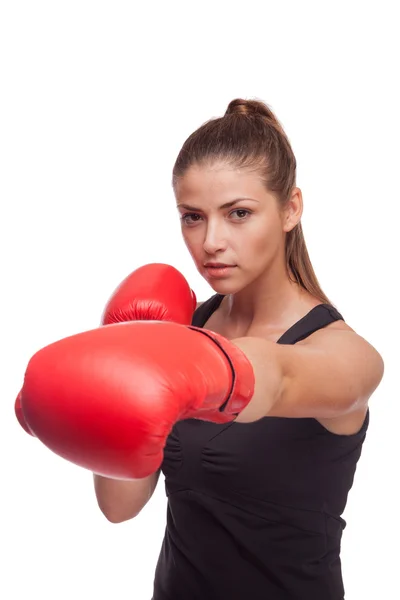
(219, 179)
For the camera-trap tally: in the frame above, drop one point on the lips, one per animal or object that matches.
(218, 270)
(217, 265)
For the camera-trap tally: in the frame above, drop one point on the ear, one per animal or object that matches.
(293, 210)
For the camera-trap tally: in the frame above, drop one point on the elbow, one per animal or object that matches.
(116, 514)
(112, 517)
(116, 517)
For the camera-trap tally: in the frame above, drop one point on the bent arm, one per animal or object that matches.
(121, 500)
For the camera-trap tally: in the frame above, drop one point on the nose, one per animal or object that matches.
(215, 240)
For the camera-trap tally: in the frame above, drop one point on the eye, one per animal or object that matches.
(242, 213)
(190, 218)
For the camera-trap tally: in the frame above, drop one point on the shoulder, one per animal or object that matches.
(336, 333)
(337, 337)
(329, 375)
(341, 345)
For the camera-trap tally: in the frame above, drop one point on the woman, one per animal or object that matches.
(256, 412)
(255, 504)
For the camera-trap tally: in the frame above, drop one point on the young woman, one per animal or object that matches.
(256, 413)
(255, 505)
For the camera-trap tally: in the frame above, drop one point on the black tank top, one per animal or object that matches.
(254, 509)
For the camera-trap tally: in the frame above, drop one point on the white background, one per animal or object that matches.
(96, 100)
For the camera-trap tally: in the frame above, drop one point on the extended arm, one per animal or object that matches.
(333, 374)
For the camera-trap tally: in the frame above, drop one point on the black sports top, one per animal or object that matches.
(254, 509)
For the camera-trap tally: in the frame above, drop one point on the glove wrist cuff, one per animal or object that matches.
(243, 381)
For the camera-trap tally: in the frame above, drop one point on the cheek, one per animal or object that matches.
(261, 244)
(192, 242)
(259, 238)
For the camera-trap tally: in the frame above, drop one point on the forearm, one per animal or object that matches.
(269, 377)
(121, 500)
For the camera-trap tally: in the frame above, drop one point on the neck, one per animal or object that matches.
(272, 299)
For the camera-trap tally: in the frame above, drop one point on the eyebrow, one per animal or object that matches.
(226, 205)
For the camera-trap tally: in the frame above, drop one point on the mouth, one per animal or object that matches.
(218, 266)
(218, 270)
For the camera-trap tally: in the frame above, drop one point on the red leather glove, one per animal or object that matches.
(107, 399)
(154, 292)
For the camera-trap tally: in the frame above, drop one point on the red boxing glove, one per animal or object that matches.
(107, 399)
(154, 292)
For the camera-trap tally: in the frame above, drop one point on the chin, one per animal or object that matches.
(224, 286)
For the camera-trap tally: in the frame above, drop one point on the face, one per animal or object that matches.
(232, 226)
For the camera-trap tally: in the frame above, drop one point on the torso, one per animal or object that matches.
(343, 425)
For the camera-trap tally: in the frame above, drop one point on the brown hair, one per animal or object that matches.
(250, 136)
